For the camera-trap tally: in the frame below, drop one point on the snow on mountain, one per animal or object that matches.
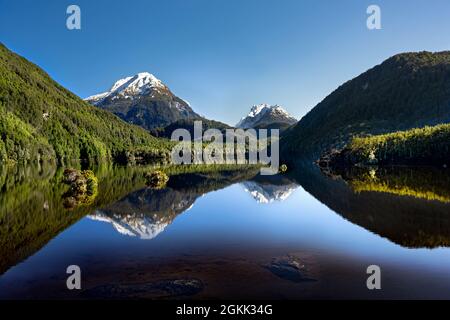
(140, 84)
(268, 193)
(132, 225)
(265, 115)
(143, 100)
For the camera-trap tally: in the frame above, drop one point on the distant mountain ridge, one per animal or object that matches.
(406, 91)
(143, 100)
(188, 124)
(265, 116)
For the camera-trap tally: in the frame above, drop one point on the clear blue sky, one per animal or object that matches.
(221, 55)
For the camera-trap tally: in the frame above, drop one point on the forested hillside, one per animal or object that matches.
(424, 146)
(406, 91)
(39, 119)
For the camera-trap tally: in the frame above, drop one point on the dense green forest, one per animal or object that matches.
(406, 91)
(39, 119)
(424, 146)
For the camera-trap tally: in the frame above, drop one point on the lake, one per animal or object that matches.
(307, 234)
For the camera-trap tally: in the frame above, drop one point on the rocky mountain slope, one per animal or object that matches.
(265, 116)
(143, 100)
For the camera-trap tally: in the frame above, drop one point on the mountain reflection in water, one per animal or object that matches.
(147, 212)
(407, 206)
(266, 189)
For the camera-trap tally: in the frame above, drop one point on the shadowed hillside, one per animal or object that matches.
(409, 90)
(408, 219)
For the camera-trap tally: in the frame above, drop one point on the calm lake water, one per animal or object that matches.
(234, 235)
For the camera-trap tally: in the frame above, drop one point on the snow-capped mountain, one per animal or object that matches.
(130, 88)
(144, 100)
(267, 193)
(145, 226)
(133, 225)
(147, 212)
(265, 116)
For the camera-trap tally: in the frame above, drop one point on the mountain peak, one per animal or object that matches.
(144, 100)
(140, 84)
(256, 109)
(266, 115)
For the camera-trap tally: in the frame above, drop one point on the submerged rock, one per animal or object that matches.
(152, 290)
(289, 268)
